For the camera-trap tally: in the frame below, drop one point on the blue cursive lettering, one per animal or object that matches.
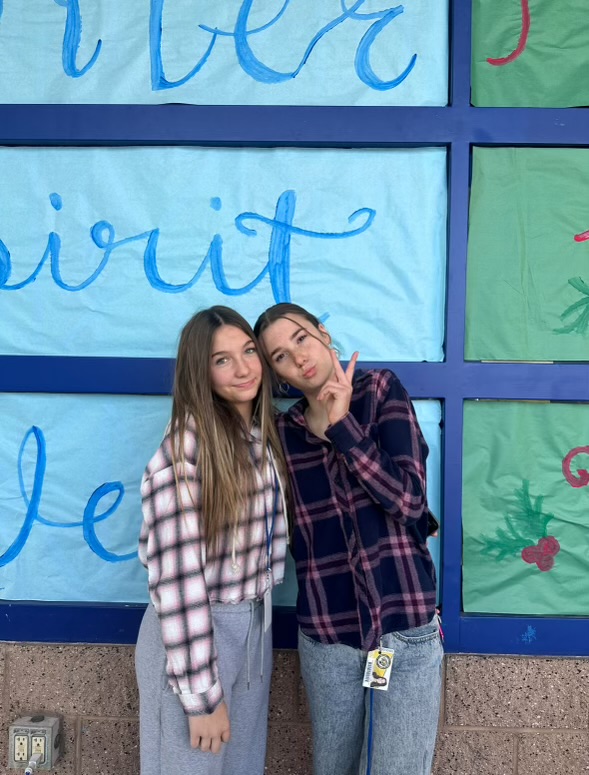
(255, 67)
(282, 229)
(362, 63)
(71, 40)
(90, 519)
(158, 76)
(277, 266)
(33, 504)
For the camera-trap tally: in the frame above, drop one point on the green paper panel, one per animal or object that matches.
(546, 66)
(525, 485)
(528, 255)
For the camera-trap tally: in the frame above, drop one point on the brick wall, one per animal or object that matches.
(500, 715)
(514, 716)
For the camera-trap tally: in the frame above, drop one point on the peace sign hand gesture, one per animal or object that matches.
(336, 393)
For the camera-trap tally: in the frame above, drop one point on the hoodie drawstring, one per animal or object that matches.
(247, 641)
(254, 605)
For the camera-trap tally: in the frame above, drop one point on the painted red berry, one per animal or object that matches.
(530, 554)
(545, 562)
(549, 546)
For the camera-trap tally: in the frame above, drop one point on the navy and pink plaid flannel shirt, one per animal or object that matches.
(360, 532)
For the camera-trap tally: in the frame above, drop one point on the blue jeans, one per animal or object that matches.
(405, 718)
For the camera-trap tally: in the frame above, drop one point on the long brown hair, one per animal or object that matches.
(224, 465)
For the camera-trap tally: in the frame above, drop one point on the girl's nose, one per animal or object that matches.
(241, 367)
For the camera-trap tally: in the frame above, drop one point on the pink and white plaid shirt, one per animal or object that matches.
(184, 581)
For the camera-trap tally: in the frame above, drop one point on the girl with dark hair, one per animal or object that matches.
(213, 541)
(356, 459)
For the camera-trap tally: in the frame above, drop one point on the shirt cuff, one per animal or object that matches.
(203, 703)
(345, 433)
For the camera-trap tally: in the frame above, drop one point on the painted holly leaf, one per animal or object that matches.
(581, 322)
(525, 525)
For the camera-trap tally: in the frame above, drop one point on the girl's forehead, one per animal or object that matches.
(287, 325)
(229, 336)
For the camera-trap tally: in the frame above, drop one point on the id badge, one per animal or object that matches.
(267, 609)
(378, 669)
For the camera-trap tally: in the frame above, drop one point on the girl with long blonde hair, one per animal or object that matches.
(213, 541)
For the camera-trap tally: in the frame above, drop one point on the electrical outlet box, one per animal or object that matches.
(36, 734)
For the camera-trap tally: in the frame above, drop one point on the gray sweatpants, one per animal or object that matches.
(164, 736)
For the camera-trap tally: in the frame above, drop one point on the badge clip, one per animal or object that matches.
(378, 669)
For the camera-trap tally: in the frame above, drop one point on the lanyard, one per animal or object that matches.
(270, 529)
(276, 496)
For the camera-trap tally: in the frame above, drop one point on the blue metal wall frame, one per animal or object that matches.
(457, 127)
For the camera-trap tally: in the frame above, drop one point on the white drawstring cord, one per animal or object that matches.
(247, 640)
(262, 651)
(253, 613)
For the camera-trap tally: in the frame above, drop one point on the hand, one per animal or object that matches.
(336, 394)
(209, 731)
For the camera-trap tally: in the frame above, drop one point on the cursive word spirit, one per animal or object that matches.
(280, 229)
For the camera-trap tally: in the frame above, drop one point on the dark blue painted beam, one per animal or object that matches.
(508, 381)
(523, 635)
(153, 376)
(460, 52)
(283, 126)
(40, 622)
(48, 374)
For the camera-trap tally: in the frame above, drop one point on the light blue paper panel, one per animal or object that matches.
(55, 453)
(276, 52)
(87, 443)
(429, 414)
(107, 252)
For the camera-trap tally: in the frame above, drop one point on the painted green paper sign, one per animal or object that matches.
(530, 53)
(528, 255)
(526, 508)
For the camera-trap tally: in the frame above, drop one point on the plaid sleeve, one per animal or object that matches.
(172, 548)
(392, 470)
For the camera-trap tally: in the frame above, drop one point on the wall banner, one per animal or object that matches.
(109, 251)
(234, 52)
